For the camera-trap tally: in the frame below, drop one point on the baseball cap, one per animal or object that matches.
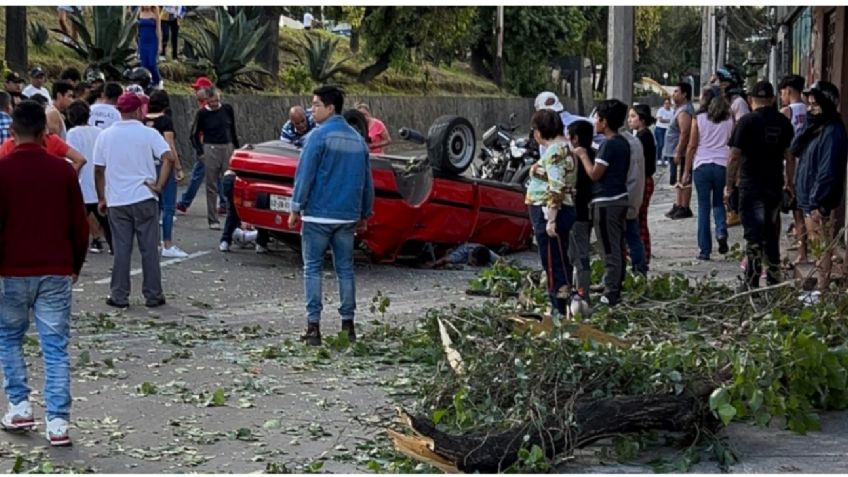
(36, 71)
(547, 100)
(128, 102)
(763, 89)
(202, 82)
(14, 77)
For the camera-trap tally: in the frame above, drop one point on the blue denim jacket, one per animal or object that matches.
(333, 178)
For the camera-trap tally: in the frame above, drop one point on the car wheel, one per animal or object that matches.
(522, 177)
(451, 144)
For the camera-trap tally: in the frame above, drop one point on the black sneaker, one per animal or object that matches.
(313, 335)
(683, 213)
(674, 209)
(347, 326)
(155, 303)
(722, 245)
(96, 246)
(113, 303)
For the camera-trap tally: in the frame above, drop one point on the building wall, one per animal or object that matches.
(838, 74)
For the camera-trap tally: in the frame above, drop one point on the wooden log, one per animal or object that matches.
(590, 421)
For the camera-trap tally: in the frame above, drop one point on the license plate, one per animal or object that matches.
(280, 203)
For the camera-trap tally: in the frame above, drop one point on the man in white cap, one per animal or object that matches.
(549, 100)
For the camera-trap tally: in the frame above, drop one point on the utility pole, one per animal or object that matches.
(721, 58)
(499, 70)
(16, 38)
(620, 44)
(707, 45)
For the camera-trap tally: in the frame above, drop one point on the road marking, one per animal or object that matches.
(172, 261)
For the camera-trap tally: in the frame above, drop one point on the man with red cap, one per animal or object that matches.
(125, 160)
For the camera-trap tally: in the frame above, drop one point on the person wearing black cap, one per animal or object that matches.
(821, 148)
(13, 83)
(36, 86)
(758, 148)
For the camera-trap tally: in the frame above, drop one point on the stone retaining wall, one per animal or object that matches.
(261, 117)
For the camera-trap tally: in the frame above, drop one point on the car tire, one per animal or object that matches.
(451, 144)
(521, 176)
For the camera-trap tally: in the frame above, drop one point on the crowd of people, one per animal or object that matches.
(751, 155)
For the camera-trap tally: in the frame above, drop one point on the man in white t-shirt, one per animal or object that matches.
(36, 86)
(125, 176)
(307, 20)
(664, 117)
(103, 111)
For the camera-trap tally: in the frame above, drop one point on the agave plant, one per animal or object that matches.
(38, 35)
(110, 46)
(318, 54)
(227, 48)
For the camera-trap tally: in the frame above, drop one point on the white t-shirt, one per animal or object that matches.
(103, 115)
(307, 20)
(127, 149)
(31, 90)
(82, 138)
(739, 107)
(666, 114)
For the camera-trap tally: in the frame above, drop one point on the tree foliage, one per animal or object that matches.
(397, 35)
(676, 47)
(533, 37)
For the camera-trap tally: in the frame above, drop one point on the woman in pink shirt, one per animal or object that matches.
(707, 155)
(378, 135)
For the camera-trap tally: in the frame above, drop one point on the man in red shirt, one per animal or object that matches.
(43, 242)
(54, 145)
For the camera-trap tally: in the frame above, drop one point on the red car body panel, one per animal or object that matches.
(411, 207)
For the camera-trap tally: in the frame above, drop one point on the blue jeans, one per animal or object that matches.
(659, 137)
(635, 246)
(554, 251)
(198, 178)
(316, 238)
(709, 184)
(168, 205)
(49, 298)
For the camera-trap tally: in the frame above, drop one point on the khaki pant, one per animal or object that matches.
(216, 160)
(821, 237)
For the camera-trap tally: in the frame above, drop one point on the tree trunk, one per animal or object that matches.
(602, 79)
(481, 60)
(16, 38)
(593, 420)
(354, 40)
(381, 65)
(268, 56)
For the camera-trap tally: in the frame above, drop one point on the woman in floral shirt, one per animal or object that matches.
(550, 199)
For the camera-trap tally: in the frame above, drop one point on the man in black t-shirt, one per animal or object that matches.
(759, 145)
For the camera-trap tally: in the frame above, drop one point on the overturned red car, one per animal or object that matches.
(417, 202)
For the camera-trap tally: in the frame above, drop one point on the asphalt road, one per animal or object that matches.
(216, 382)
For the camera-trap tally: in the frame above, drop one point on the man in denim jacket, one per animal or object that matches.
(333, 196)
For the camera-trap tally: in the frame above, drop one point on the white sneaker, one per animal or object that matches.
(261, 250)
(18, 417)
(57, 432)
(223, 246)
(173, 252)
(810, 298)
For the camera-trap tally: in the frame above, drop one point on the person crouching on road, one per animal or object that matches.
(126, 180)
(333, 197)
(44, 232)
(550, 197)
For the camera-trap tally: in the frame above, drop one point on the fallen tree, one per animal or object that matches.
(682, 357)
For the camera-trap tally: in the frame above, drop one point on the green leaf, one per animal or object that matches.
(726, 412)
(147, 389)
(718, 397)
(219, 398)
(756, 400)
(272, 424)
(19, 465)
(438, 414)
